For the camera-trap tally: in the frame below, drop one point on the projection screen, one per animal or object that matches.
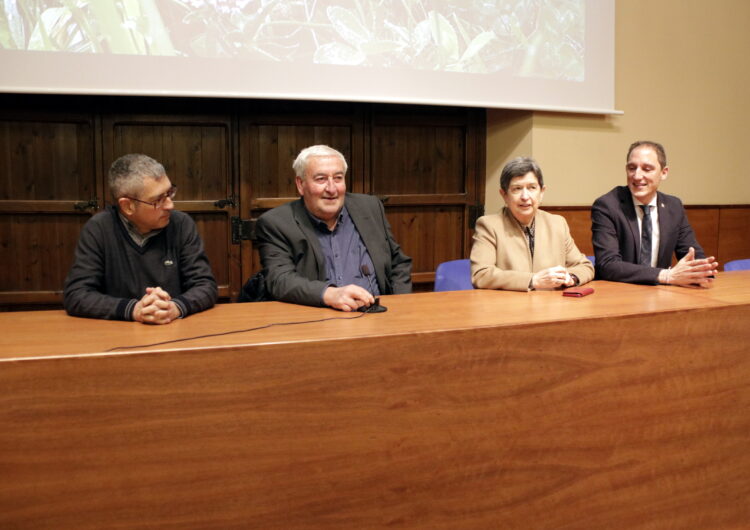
(531, 54)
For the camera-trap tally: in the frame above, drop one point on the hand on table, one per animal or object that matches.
(691, 271)
(552, 278)
(156, 307)
(347, 298)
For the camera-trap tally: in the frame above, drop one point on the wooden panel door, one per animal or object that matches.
(48, 190)
(427, 165)
(197, 153)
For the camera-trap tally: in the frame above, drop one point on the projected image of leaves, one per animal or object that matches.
(519, 37)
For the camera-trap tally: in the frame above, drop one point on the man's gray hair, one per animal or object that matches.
(300, 163)
(518, 167)
(127, 173)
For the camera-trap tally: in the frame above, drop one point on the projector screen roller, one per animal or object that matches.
(531, 54)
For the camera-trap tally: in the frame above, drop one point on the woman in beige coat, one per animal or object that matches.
(523, 248)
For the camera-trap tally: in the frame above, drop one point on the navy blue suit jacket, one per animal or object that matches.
(617, 240)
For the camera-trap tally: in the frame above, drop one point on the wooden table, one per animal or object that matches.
(629, 408)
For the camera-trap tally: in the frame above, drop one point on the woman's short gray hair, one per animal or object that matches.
(518, 167)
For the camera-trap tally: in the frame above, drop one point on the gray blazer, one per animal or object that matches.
(293, 262)
(617, 240)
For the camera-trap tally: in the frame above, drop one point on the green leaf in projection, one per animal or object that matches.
(376, 47)
(153, 29)
(338, 53)
(53, 30)
(12, 31)
(348, 26)
(470, 60)
(115, 29)
(445, 37)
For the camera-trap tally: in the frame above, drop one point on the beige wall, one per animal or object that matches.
(682, 72)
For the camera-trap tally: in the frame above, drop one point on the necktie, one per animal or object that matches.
(645, 258)
(530, 238)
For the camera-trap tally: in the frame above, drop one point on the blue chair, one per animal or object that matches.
(592, 259)
(453, 276)
(737, 265)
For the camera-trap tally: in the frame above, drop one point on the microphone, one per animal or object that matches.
(376, 307)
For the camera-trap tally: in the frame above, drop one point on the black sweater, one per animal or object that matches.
(110, 272)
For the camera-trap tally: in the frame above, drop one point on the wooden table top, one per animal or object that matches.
(47, 334)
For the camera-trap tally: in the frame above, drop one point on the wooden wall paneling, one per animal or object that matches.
(48, 189)
(734, 238)
(197, 153)
(579, 222)
(705, 223)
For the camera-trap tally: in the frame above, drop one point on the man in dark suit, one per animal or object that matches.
(329, 248)
(636, 229)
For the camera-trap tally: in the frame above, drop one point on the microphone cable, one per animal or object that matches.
(231, 332)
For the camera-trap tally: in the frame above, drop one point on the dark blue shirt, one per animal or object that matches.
(347, 259)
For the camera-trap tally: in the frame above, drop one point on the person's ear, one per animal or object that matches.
(300, 188)
(126, 205)
(665, 173)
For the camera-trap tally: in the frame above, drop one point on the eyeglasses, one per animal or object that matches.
(160, 201)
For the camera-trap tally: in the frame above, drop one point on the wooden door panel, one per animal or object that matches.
(36, 251)
(46, 160)
(273, 148)
(48, 190)
(217, 240)
(429, 234)
(418, 160)
(195, 156)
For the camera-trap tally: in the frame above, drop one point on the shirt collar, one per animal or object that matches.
(637, 203)
(138, 238)
(323, 226)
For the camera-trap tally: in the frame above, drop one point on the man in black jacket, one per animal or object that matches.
(636, 229)
(139, 259)
(329, 248)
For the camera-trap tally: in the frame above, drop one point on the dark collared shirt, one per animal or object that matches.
(345, 253)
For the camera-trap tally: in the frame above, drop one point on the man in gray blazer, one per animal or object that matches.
(636, 229)
(329, 248)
